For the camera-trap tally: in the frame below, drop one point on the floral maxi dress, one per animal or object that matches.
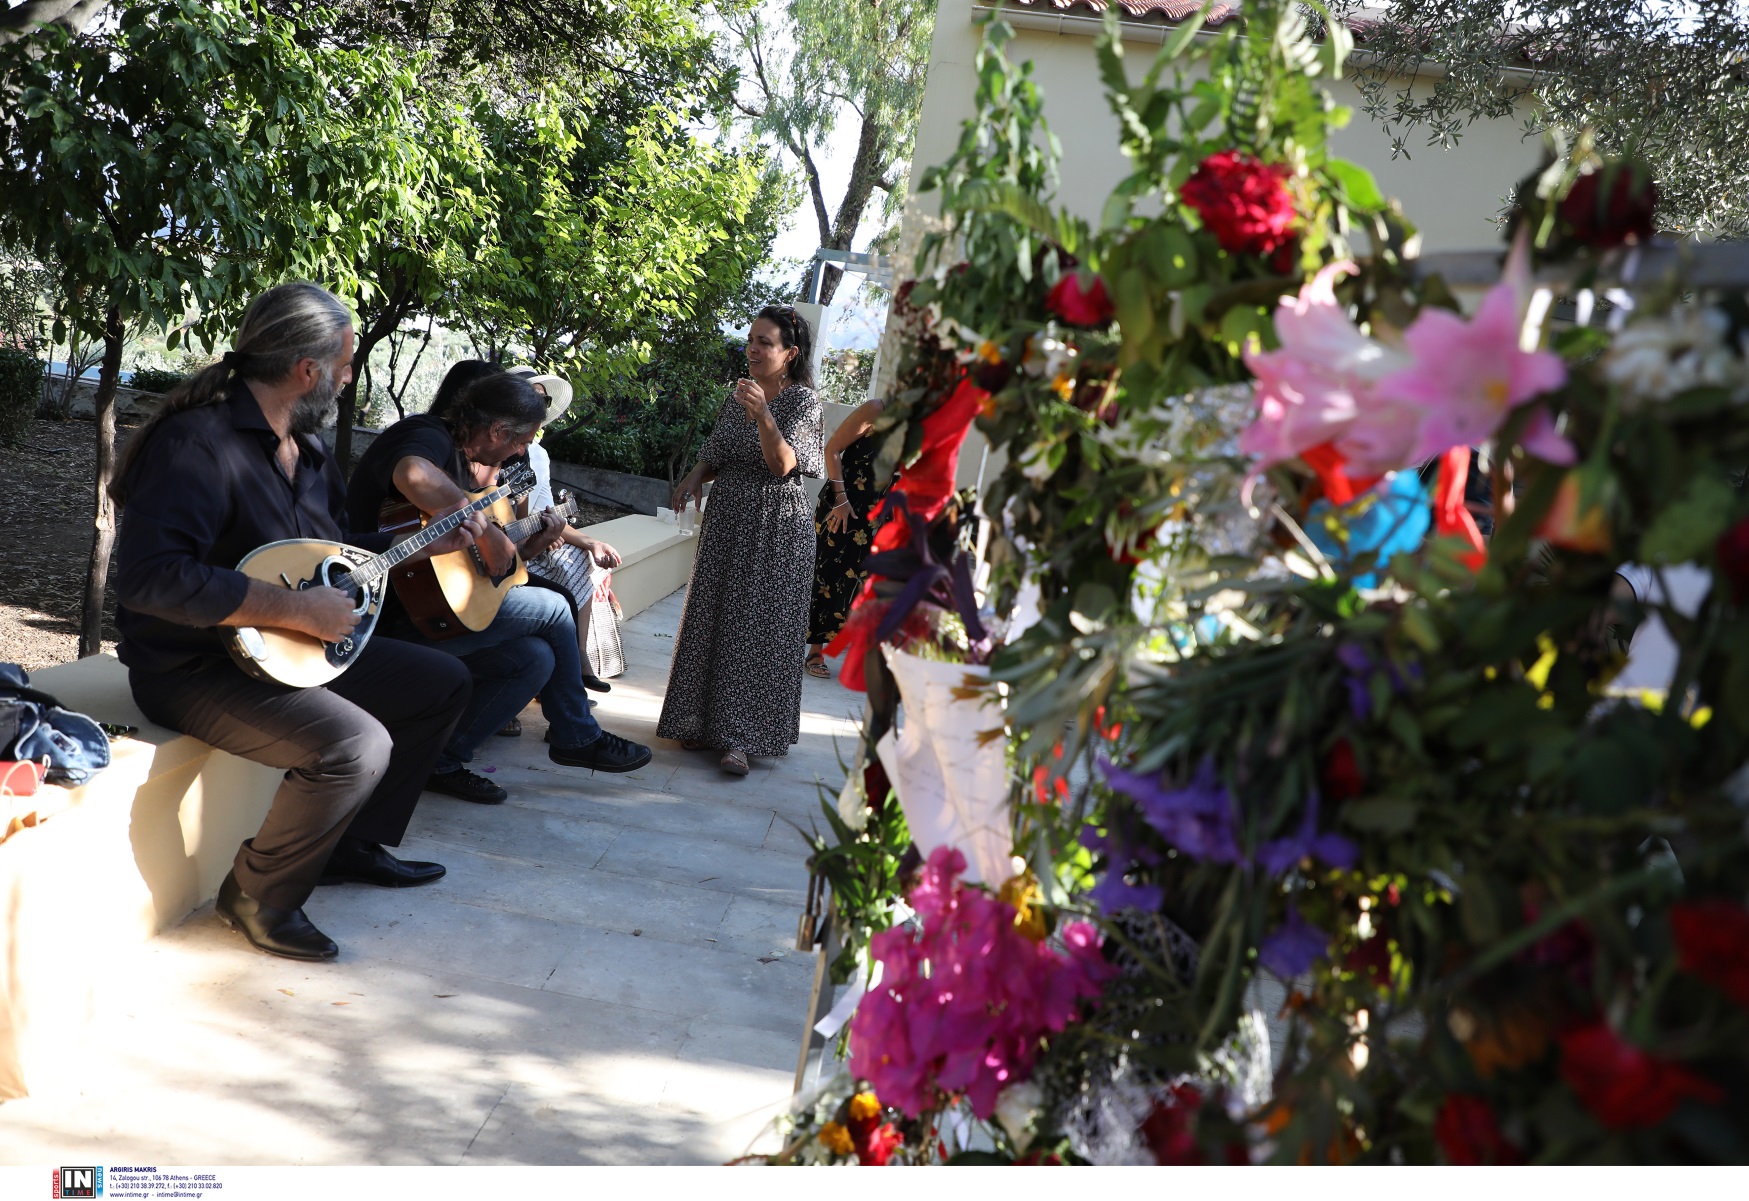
(736, 677)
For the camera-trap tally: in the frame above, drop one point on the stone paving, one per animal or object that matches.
(607, 975)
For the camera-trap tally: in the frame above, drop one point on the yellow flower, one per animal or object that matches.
(1021, 891)
(836, 1139)
(1064, 387)
(990, 352)
(865, 1107)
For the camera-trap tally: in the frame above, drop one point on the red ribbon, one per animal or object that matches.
(1339, 487)
(1451, 516)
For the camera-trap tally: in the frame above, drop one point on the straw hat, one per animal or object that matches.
(558, 396)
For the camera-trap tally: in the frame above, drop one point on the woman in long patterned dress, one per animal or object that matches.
(735, 684)
(842, 529)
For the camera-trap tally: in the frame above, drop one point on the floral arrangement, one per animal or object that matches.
(1332, 839)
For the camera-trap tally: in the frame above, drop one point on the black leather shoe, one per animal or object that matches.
(609, 753)
(283, 932)
(357, 862)
(466, 785)
(596, 683)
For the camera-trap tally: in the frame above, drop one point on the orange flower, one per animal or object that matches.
(1512, 1039)
(836, 1139)
(865, 1107)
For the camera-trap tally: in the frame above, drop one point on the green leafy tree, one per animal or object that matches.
(603, 238)
(862, 65)
(162, 160)
(1663, 81)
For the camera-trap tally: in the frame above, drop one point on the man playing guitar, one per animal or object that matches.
(228, 464)
(530, 647)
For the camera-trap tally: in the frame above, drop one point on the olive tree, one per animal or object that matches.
(1665, 80)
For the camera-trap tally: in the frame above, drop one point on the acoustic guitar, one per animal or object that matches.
(299, 660)
(453, 594)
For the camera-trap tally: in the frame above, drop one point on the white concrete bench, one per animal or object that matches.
(147, 841)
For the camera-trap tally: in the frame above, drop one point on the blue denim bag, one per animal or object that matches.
(34, 727)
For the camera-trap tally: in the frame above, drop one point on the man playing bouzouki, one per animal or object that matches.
(530, 646)
(230, 463)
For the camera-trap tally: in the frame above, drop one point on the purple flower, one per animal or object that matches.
(1360, 667)
(1293, 947)
(1123, 854)
(1334, 850)
(1196, 819)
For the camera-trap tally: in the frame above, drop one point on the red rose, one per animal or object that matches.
(1625, 1087)
(993, 377)
(1712, 942)
(1086, 305)
(1733, 552)
(1612, 206)
(1341, 774)
(877, 1146)
(1243, 202)
(1469, 1133)
(1166, 1130)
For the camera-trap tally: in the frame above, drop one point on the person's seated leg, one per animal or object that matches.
(576, 738)
(505, 678)
(417, 693)
(333, 754)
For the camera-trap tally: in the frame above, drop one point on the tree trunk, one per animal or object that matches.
(865, 175)
(103, 521)
(386, 322)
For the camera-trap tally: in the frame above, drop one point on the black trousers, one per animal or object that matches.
(356, 752)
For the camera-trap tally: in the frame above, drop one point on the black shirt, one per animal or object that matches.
(204, 492)
(420, 436)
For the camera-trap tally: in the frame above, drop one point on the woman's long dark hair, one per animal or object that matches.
(793, 328)
(455, 380)
(282, 327)
(494, 398)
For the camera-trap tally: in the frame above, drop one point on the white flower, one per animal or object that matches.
(1035, 464)
(1017, 1108)
(852, 805)
(1655, 360)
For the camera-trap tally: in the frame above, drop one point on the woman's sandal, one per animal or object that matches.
(735, 763)
(816, 666)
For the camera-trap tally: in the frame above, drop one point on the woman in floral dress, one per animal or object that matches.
(842, 528)
(735, 683)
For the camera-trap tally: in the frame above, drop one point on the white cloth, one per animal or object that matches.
(1652, 658)
(541, 463)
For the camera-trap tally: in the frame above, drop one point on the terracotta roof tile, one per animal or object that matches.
(1166, 12)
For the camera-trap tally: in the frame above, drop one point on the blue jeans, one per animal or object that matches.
(530, 648)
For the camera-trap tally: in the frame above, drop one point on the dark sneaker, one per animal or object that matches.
(465, 785)
(609, 753)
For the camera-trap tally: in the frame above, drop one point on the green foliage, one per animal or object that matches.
(845, 376)
(21, 389)
(157, 379)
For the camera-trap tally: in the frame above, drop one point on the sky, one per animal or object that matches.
(854, 320)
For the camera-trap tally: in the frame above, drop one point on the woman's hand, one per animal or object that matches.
(838, 518)
(753, 401)
(686, 490)
(603, 554)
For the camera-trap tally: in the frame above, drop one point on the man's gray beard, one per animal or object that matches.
(317, 408)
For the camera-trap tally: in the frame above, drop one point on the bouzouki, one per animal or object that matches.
(299, 660)
(452, 594)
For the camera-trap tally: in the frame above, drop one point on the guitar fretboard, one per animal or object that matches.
(516, 531)
(376, 568)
